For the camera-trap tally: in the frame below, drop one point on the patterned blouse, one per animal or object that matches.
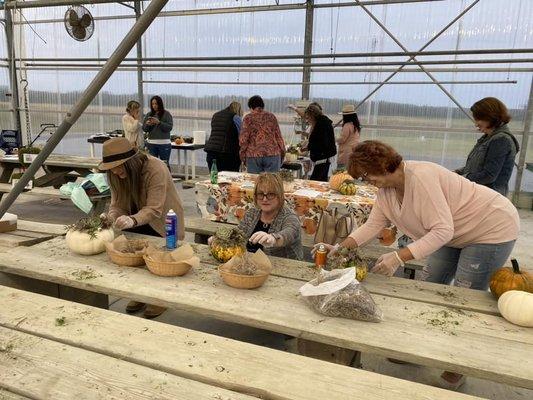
(285, 225)
(260, 136)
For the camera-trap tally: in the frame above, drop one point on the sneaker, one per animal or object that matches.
(153, 311)
(451, 380)
(134, 306)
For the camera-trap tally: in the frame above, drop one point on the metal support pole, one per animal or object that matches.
(140, 78)
(528, 121)
(308, 48)
(13, 80)
(421, 49)
(85, 99)
(446, 92)
(52, 3)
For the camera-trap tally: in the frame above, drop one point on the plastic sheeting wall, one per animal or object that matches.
(446, 136)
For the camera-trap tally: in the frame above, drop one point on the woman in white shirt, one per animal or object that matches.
(132, 126)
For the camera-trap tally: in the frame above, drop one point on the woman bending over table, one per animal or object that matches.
(467, 230)
(271, 226)
(142, 192)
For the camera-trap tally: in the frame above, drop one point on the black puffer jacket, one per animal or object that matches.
(224, 136)
(322, 140)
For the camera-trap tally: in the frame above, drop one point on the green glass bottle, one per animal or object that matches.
(214, 173)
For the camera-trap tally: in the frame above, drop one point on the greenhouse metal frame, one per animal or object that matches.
(307, 63)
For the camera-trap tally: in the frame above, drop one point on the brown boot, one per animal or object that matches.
(134, 306)
(153, 311)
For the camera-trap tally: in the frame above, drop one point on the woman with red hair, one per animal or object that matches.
(467, 230)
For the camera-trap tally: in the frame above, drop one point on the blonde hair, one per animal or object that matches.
(273, 184)
(235, 107)
(132, 105)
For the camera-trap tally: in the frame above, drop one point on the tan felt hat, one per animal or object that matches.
(115, 152)
(348, 109)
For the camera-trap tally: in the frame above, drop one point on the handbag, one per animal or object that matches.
(334, 227)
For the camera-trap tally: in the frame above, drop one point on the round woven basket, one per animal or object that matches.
(167, 268)
(126, 259)
(242, 281)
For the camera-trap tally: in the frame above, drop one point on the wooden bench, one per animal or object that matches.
(63, 350)
(99, 201)
(475, 343)
(203, 228)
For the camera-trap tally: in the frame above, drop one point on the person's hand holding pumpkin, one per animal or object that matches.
(124, 222)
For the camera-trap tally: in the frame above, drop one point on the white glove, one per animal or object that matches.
(210, 240)
(263, 238)
(124, 222)
(387, 264)
(331, 249)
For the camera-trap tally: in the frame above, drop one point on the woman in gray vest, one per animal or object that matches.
(491, 161)
(158, 123)
(223, 143)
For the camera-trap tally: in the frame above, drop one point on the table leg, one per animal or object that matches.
(186, 166)
(7, 171)
(193, 161)
(92, 149)
(179, 160)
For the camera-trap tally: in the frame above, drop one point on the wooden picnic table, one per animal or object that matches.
(57, 168)
(434, 325)
(63, 350)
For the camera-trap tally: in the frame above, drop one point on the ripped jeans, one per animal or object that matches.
(471, 266)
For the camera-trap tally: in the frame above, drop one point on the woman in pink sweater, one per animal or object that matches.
(467, 230)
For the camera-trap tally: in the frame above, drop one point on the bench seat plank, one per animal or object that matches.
(210, 359)
(474, 344)
(44, 369)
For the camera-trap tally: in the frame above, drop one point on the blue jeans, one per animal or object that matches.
(471, 267)
(256, 165)
(161, 151)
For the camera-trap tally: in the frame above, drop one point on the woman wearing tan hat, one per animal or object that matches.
(142, 192)
(349, 138)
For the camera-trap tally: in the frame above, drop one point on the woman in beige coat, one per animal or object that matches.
(132, 126)
(349, 138)
(142, 193)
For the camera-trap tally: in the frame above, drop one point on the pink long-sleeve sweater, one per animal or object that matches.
(441, 208)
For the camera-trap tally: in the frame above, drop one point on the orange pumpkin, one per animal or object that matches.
(505, 279)
(336, 180)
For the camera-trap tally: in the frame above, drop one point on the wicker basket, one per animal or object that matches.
(126, 259)
(171, 268)
(242, 281)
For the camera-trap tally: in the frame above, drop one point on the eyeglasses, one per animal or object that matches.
(269, 196)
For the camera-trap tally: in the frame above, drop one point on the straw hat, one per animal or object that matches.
(115, 152)
(347, 109)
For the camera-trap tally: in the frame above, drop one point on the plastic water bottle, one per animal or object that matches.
(171, 229)
(214, 173)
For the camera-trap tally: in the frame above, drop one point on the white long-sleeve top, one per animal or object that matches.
(133, 130)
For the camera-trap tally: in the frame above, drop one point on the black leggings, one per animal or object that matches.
(320, 172)
(143, 230)
(225, 162)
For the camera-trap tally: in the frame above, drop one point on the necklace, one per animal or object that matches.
(265, 225)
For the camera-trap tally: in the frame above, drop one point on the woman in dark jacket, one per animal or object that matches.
(158, 123)
(321, 142)
(491, 161)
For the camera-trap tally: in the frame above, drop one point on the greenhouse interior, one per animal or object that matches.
(266, 199)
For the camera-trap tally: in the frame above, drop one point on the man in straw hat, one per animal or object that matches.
(349, 138)
(142, 193)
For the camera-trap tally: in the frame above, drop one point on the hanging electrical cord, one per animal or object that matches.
(334, 50)
(24, 79)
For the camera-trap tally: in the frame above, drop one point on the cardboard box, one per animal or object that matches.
(8, 223)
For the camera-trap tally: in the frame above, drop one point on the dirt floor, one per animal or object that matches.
(63, 212)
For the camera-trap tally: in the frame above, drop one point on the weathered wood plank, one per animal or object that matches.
(43, 369)
(474, 344)
(34, 226)
(449, 296)
(5, 395)
(210, 359)
(22, 238)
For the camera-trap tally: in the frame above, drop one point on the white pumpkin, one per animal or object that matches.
(516, 307)
(82, 243)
